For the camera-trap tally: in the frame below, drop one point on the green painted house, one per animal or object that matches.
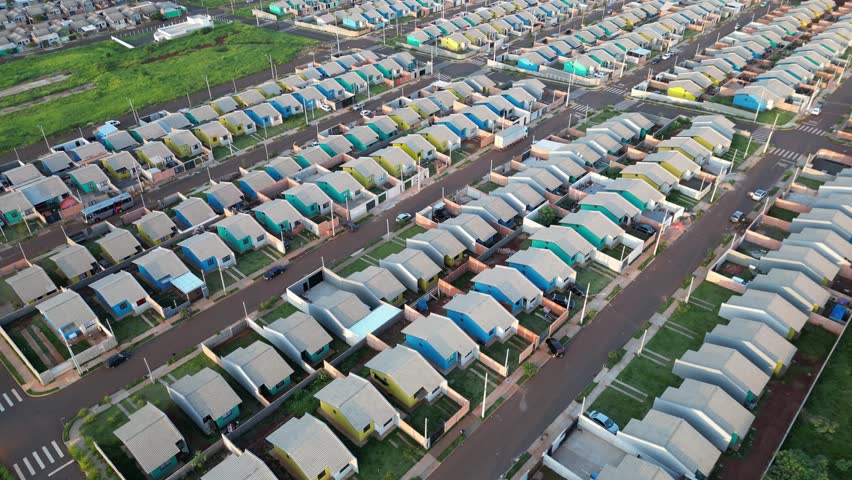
(356, 408)
(308, 199)
(14, 206)
(297, 442)
(89, 178)
(406, 375)
(340, 186)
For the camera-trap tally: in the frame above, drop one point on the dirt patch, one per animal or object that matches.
(777, 410)
(219, 41)
(47, 98)
(37, 83)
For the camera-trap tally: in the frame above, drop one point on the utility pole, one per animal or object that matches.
(689, 289)
(44, 137)
(150, 375)
(206, 81)
(484, 394)
(73, 357)
(771, 132)
(272, 65)
(759, 106)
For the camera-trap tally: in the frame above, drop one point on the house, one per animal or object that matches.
(278, 216)
(672, 443)
(685, 88)
(726, 368)
(241, 232)
(308, 445)
(88, 152)
(366, 171)
(539, 179)
(202, 114)
(638, 192)
(213, 134)
(242, 466)
(384, 126)
(406, 118)
(441, 342)
(543, 268)
(394, 159)
(439, 245)
(691, 147)
(413, 268)
(709, 410)
(656, 176)
(614, 206)
(300, 335)
(208, 252)
(756, 341)
(340, 186)
(224, 105)
(153, 441)
(509, 287)
(829, 244)
(565, 242)
(15, 207)
(314, 156)
(406, 375)
(470, 230)
(308, 199)
(238, 123)
(280, 168)
(249, 98)
(801, 259)
(20, 175)
(254, 182)
(362, 137)
(163, 269)
(156, 227)
(756, 98)
(259, 369)
(416, 146)
(265, 115)
(148, 132)
(709, 138)
(31, 284)
(183, 143)
(155, 154)
(674, 162)
(794, 286)
(46, 193)
(356, 408)
(68, 314)
(89, 178)
(382, 283)
(56, 163)
(826, 219)
(224, 196)
(482, 317)
(492, 210)
(119, 245)
(193, 212)
(121, 165)
(75, 263)
(441, 137)
(287, 105)
(520, 196)
(594, 226)
(460, 125)
(121, 294)
(207, 399)
(767, 307)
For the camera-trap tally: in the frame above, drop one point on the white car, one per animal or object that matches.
(114, 123)
(667, 55)
(324, 107)
(758, 195)
(600, 75)
(816, 110)
(366, 113)
(403, 217)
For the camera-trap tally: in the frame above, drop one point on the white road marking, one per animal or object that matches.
(48, 455)
(29, 467)
(8, 400)
(17, 395)
(60, 468)
(18, 471)
(38, 460)
(58, 451)
(1, 408)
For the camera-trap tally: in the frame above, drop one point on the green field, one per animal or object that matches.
(147, 75)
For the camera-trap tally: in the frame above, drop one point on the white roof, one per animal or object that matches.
(31, 283)
(302, 331)
(74, 260)
(311, 445)
(442, 334)
(208, 393)
(245, 466)
(483, 309)
(346, 307)
(206, 245)
(544, 262)
(195, 210)
(358, 400)
(441, 240)
(474, 225)
(150, 437)
(678, 438)
(380, 281)
(407, 369)
(729, 362)
(118, 287)
(261, 363)
(415, 262)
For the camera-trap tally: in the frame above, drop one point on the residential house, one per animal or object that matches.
(543, 268)
(406, 375)
(310, 450)
(56, 163)
(15, 207)
(207, 399)
(119, 140)
(690, 147)
(796, 287)
(519, 196)
(340, 186)
(439, 245)
(254, 182)
(538, 178)
(163, 269)
(826, 219)
(278, 216)
(416, 146)
(492, 209)
(362, 137)
(616, 208)
(259, 369)
(155, 154)
(193, 212)
(224, 196)
(213, 134)
(121, 294)
(675, 163)
(280, 168)
(394, 159)
(299, 335)
(726, 368)
(767, 307)
(155, 228)
(308, 199)
(208, 252)
(224, 105)
(153, 441)
(118, 245)
(242, 466)
(202, 114)
(470, 230)
(89, 178)
(803, 259)
(238, 123)
(287, 105)
(508, 286)
(652, 173)
(594, 226)
(757, 342)
(356, 408)
(75, 263)
(241, 232)
(413, 268)
(441, 137)
(829, 244)
(638, 192)
(382, 283)
(265, 115)
(460, 125)
(46, 193)
(68, 314)
(31, 284)
(249, 98)
(571, 247)
(88, 152)
(183, 143)
(20, 175)
(121, 165)
(366, 171)
(482, 317)
(441, 342)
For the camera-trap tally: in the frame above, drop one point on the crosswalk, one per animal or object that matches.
(615, 90)
(477, 61)
(787, 156)
(443, 77)
(48, 458)
(813, 130)
(579, 107)
(761, 134)
(625, 104)
(9, 399)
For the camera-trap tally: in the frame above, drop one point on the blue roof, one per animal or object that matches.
(187, 282)
(378, 317)
(640, 51)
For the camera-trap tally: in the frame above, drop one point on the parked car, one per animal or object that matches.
(351, 226)
(816, 110)
(600, 75)
(758, 195)
(324, 107)
(403, 217)
(117, 359)
(557, 350)
(562, 300)
(114, 123)
(577, 290)
(763, 4)
(603, 421)
(656, 60)
(366, 113)
(645, 228)
(358, 106)
(737, 216)
(274, 272)
(667, 55)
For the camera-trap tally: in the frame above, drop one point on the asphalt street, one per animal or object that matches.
(33, 424)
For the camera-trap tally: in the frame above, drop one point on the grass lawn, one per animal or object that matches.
(411, 231)
(487, 187)
(388, 458)
(242, 340)
(252, 261)
(356, 266)
(146, 75)
(49, 333)
(767, 117)
(436, 414)
(600, 117)
(129, 328)
(590, 274)
(18, 232)
(385, 249)
(497, 351)
(809, 182)
(682, 200)
(782, 213)
(648, 376)
(25, 348)
(823, 429)
(619, 407)
(672, 344)
(774, 233)
(463, 282)
(470, 381)
(282, 311)
(533, 322)
(741, 148)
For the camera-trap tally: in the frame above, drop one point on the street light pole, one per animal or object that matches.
(207, 81)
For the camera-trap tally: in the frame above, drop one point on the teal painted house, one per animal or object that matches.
(241, 232)
(308, 199)
(340, 186)
(301, 334)
(89, 178)
(566, 243)
(277, 216)
(14, 206)
(259, 369)
(593, 226)
(150, 426)
(207, 399)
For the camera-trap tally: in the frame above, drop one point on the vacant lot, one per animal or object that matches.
(147, 75)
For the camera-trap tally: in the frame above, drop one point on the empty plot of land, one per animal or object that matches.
(37, 83)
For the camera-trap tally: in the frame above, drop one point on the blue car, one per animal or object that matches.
(603, 421)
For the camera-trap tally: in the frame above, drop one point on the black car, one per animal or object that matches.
(562, 300)
(577, 290)
(274, 272)
(117, 359)
(351, 226)
(656, 60)
(556, 348)
(646, 229)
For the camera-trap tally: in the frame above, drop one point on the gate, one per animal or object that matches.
(436, 434)
(371, 204)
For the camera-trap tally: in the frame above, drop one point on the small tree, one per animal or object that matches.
(530, 369)
(198, 460)
(798, 465)
(547, 216)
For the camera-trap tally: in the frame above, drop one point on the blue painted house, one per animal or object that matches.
(224, 196)
(254, 182)
(509, 287)
(543, 268)
(208, 252)
(241, 232)
(756, 98)
(481, 317)
(163, 270)
(441, 342)
(121, 294)
(68, 314)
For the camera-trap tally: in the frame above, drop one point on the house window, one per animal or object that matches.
(123, 306)
(388, 422)
(260, 238)
(226, 258)
(141, 301)
(246, 241)
(211, 261)
(367, 428)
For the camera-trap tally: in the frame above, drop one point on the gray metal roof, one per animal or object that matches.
(89, 173)
(442, 334)
(415, 262)
(794, 281)
(278, 211)
(206, 245)
(303, 331)
(565, 238)
(346, 307)
(22, 174)
(633, 468)
(407, 369)
(156, 224)
(309, 193)
(758, 336)
(45, 189)
(636, 187)
(730, 363)
(596, 222)
(208, 393)
(509, 281)
(712, 401)
(483, 310)
(285, 166)
(161, 263)
(441, 240)
(473, 225)
(226, 193)
(150, 437)
(31, 283)
(358, 400)
(195, 210)
(245, 466)
(341, 181)
(653, 171)
(74, 260)
(261, 364)
(521, 191)
(613, 203)
(677, 437)
(380, 281)
(68, 307)
(544, 262)
(118, 287)
(257, 180)
(311, 445)
(241, 225)
(495, 206)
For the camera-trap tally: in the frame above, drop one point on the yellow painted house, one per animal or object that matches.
(356, 408)
(309, 450)
(406, 375)
(685, 89)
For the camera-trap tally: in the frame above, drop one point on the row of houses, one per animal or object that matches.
(368, 15)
